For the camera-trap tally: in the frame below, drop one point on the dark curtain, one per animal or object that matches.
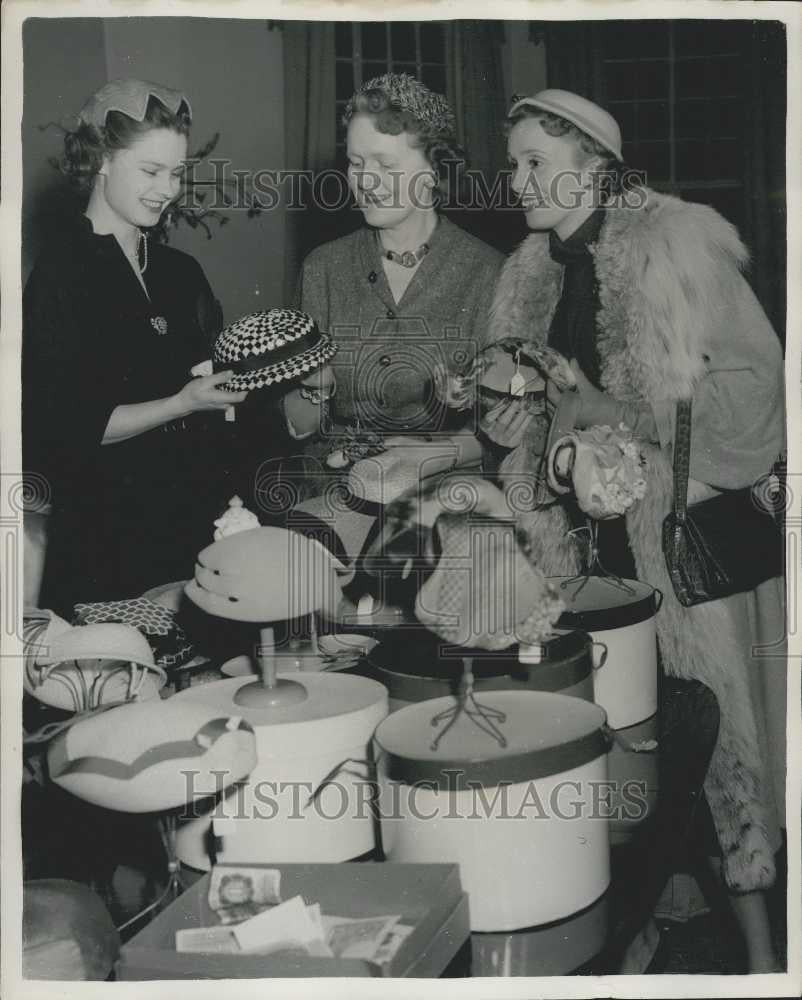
(310, 129)
(573, 57)
(765, 208)
(476, 89)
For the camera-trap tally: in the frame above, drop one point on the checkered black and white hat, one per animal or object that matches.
(265, 348)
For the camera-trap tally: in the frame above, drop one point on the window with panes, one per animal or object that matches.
(365, 49)
(677, 90)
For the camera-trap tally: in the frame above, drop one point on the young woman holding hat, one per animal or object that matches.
(409, 291)
(283, 361)
(644, 293)
(113, 325)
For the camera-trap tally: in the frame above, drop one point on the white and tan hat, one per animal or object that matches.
(587, 116)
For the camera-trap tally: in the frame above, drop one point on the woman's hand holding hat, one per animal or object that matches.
(454, 389)
(598, 409)
(595, 407)
(203, 393)
(506, 424)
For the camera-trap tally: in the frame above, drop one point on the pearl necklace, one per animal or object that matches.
(159, 323)
(142, 241)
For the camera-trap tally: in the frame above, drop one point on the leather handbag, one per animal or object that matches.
(721, 546)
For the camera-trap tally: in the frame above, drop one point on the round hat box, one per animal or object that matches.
(560, 948)
(270, 817)
(521, 819)
(416, 666)
(623, 620)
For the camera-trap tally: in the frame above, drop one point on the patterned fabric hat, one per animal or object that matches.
(265, 348)
(405, 92)
(170, 644)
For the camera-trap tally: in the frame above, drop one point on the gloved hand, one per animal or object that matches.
(595, 407)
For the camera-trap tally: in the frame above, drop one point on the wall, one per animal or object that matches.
(232, 71)
(63, 63)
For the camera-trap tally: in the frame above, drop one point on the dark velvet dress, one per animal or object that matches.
(131, 515)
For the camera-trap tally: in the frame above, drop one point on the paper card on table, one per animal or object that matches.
(287, 925)
(357, 938)
(317, 918)
(388, 948)
(318, 948)
(219, 940)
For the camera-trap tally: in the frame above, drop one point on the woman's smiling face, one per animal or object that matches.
(140, 182)
(548, 176)
(389, 176)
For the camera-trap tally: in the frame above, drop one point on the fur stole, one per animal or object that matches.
(666, 271)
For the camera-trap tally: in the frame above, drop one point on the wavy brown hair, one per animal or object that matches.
(87, 145)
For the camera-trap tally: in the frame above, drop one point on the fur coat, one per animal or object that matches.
(675, 316)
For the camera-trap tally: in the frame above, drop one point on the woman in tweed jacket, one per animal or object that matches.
(409, 291)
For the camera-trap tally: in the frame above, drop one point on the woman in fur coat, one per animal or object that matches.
(645, 294)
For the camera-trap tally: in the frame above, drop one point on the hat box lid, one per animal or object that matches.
(598, 603)
(545, 734)
(417, 664)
